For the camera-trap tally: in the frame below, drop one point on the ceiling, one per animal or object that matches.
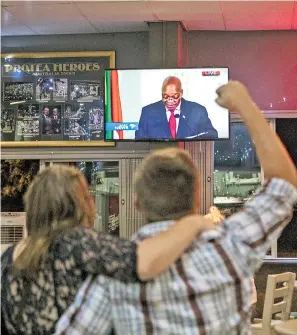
(79, 17)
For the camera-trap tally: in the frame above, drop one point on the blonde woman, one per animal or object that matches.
(42, 274)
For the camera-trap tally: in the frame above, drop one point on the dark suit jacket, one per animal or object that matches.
(56, 125)
(193, 122)
(46, 125)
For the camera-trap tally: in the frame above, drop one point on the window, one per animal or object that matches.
(287, 131)
(237, 172)
(103, 180)
(16, 175)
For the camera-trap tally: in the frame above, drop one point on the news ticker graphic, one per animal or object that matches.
(210, 73)
(111, 126)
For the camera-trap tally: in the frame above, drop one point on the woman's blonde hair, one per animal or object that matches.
(56, 201)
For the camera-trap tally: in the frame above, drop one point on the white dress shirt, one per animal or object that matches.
(176, 112)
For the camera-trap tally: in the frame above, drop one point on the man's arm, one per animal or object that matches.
(264, 217)
(141, 133)
(271, 152)
(261, 220)
(157, 253)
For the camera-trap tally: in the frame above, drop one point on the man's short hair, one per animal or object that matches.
(165, 184)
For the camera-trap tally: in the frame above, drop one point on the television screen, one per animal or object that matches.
(165, 105)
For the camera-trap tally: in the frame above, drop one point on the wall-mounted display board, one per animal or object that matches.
(54, 99)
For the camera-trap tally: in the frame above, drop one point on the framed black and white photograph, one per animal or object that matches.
(27, 111)
(18, 91)
(77, 129)
(50, 119)
(76, 111)
(85, 90)
(96, 120)
(44, 89)
(60, 89)
(7, 120)
(27, 129)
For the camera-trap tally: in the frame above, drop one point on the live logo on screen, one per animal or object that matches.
(210, 73)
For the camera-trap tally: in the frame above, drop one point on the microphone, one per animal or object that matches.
(177, 116)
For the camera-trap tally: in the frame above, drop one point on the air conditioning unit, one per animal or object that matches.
(13, 228)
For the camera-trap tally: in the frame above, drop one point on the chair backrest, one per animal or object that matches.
(280, 287)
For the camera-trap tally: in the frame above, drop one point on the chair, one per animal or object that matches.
(283, 294)
(293, 315)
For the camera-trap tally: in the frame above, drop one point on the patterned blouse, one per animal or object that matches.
(33, 306)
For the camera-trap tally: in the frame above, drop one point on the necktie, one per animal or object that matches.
(172, 123)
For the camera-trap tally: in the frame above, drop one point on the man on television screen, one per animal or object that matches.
(174, 117)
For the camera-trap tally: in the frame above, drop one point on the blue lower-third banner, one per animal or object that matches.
(110, 126)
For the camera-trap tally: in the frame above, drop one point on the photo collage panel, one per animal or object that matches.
(52, 109)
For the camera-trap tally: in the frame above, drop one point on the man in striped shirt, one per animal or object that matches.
(208, 290)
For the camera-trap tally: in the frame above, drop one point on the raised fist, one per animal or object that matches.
(234, 96)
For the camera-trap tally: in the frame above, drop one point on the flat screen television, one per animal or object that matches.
(165, 105)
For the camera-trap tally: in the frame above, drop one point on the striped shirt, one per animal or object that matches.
(207, 291)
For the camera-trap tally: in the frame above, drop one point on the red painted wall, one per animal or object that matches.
(265, 61)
